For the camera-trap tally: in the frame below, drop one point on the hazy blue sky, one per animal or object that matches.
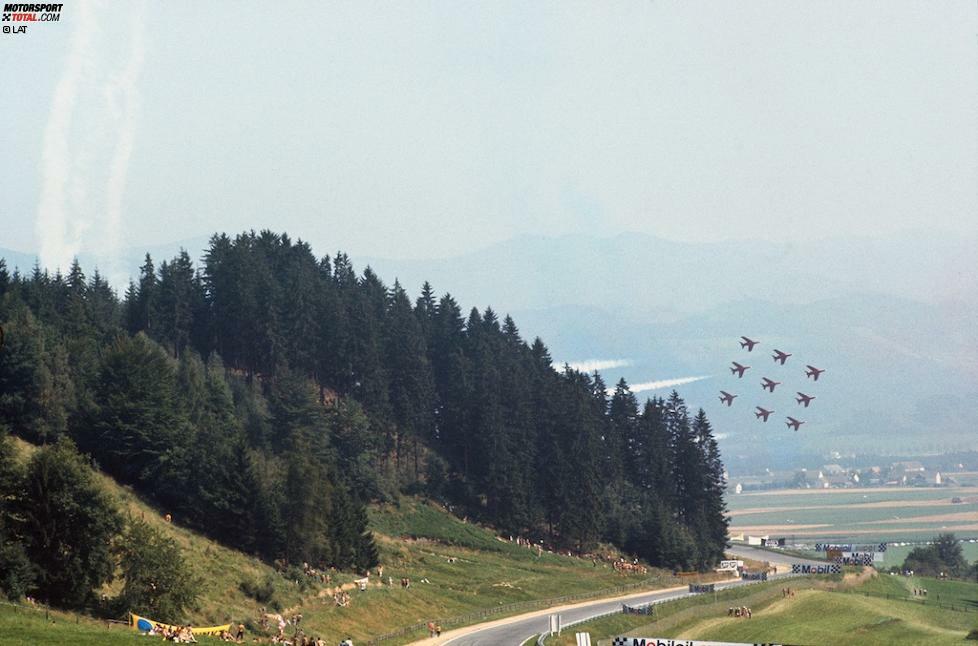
(419, 129)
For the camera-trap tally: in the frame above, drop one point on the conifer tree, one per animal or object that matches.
(69, 523)
(411, 386)
(5, 279)
(34, 399)
(144, 315)
(135, 424)
(175, 303)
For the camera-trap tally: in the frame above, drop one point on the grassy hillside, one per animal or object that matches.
(469, 569)
(821, 617)
(21, 627)
(222, 570)
(821, 612)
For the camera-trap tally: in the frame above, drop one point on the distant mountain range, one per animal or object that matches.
(891, 319)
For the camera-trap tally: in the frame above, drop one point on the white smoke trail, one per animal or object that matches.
(122, 97)
(665, 383)
(592, 365)
(60, 238)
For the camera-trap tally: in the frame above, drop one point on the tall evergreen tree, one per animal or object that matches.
(143, 314)
(136, 427)
(35, 388)
(176, 303)
(69, 524)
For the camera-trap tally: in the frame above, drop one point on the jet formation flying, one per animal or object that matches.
(726, 398)
(738, 369)
(781, 358)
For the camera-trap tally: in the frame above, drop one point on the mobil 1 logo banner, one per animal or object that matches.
(850, 547)
(700, 588)
(816, 568)
(638, 610)
(856, 558)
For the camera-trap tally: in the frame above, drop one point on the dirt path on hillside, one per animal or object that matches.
(851, 579)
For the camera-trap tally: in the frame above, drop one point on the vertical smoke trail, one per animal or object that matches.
(59, 237)
(122, 97)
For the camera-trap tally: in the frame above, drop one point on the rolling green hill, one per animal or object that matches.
(860, 611)
(470, 571)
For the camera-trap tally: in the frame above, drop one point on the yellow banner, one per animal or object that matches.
(142, 624)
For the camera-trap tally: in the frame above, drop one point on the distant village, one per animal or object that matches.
(834, 476)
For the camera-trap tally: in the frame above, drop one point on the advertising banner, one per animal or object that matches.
(850, 547)
(144, 625)
(816, 568)
(858, 558)
(638, 610)
(698, 588)
(753, 576)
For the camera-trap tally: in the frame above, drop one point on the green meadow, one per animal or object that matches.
(878, 611)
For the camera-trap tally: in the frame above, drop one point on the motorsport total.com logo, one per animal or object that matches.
(31, 12)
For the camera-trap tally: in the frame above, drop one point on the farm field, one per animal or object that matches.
(856, 515)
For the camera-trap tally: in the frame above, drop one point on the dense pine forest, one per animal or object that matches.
(266, 396)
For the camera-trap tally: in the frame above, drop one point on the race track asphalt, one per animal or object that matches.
(515, 630)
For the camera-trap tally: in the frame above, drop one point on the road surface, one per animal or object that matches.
(513, 631)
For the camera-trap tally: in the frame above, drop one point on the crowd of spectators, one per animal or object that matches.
(179, 634)
(742, 611)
